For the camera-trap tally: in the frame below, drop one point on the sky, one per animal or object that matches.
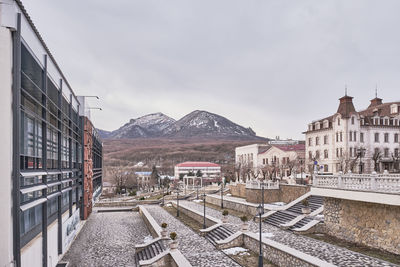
(274, 66)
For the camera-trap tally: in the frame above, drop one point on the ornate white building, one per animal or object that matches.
(360, 141)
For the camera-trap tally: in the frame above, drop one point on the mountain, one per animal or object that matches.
(197, 124)
(147, 126)
(201, 123)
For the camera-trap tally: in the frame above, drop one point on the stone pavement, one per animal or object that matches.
(108, 239)
(197, 250)
(324, 251)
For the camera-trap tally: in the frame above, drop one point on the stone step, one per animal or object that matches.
(150, 251)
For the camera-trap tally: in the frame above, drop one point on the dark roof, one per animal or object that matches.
(346, 106)
(382, 110)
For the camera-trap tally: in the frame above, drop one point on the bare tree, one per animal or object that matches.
(119, 177)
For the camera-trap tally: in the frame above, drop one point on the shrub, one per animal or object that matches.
(164, 225)
(305, 202)
(173, 235)
(132, 193)
(244, 219)
(225, 212)
(141, 198)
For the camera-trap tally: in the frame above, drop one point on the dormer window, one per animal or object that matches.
(394, 109)
(352, 120)
(376, 121)
(338, 121)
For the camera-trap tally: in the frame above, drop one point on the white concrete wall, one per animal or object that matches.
(52, 245)
(6, 233)
(31, 253)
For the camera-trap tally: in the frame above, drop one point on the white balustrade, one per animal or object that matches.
(256, 184)
(388, 183)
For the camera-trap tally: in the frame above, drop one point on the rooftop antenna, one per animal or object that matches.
(345, 89)
(376, 90)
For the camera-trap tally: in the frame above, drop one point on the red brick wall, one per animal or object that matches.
(88, 169)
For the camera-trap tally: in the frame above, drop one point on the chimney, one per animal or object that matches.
(375, 102)
(346, 106)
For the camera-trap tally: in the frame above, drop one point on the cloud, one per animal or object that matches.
(271, 65)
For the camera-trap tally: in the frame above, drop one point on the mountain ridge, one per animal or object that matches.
(198, 123)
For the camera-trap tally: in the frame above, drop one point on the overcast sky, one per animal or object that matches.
(271, 65)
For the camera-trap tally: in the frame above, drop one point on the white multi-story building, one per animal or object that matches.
(360, 141)
(280, 156)
(207, 169)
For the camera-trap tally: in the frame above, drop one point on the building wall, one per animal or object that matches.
(369, 224)
(88, 168)
(247, 155)
(6, 233)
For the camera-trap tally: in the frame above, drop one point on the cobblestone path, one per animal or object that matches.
(197, 250)
(324, 251)
(108, 239)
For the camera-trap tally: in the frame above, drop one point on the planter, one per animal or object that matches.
(164, 233)
(306, 210)
(225, 219)
(245, 227)
(173, 245)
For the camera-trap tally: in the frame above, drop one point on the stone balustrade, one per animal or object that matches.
(386, 183)
(256, 184)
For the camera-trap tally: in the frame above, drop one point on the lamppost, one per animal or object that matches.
(361, 151)
(197, 189)
(204, 209)
(260, 211)
(163, 195)
(222, 193)
(177, 201)
(262, 193)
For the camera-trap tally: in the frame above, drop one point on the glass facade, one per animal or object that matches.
(50, 141)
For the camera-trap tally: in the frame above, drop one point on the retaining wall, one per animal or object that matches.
(369, 224)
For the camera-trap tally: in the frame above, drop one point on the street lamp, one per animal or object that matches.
(260, 211)
(162, 195)
(262, 193)
(204, 209)
(360, 153)
(222, 193)
(177, 201)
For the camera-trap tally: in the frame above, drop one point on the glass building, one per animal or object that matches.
(49, 171)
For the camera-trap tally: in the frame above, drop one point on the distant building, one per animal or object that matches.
(360, 141)
(286, 156)
(207, 169)
(143, 180)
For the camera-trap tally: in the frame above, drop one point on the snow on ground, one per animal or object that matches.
(198, 200)
(268, 235)
(278, 203)
(147, 238)
(168, 205)
(236, 251)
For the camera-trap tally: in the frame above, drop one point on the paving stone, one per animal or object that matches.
(197, 250)
(333, 254)
(108, 239)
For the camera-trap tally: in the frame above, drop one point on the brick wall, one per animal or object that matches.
(88, 168)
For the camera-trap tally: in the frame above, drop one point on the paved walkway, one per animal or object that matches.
(324, 251)
(197, 250)
(108, 239)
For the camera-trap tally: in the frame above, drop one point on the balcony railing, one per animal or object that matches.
(255, 184)
(387, 183)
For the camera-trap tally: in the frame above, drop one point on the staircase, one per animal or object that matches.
(280, 217)
(285, 216)
(150, 251)
(315, 202)
(219, 233)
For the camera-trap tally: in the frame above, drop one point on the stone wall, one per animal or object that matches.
(286, 193)
(274, 255)
(292, 192)
(232, 205)
(194, 215)
(369, 224)
(238, 190)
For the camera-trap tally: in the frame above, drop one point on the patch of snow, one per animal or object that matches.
(235, 251)
(147, 239)
(228, 195)
(268, 235)
(278, 203)
(168, 205)
(197, 200)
